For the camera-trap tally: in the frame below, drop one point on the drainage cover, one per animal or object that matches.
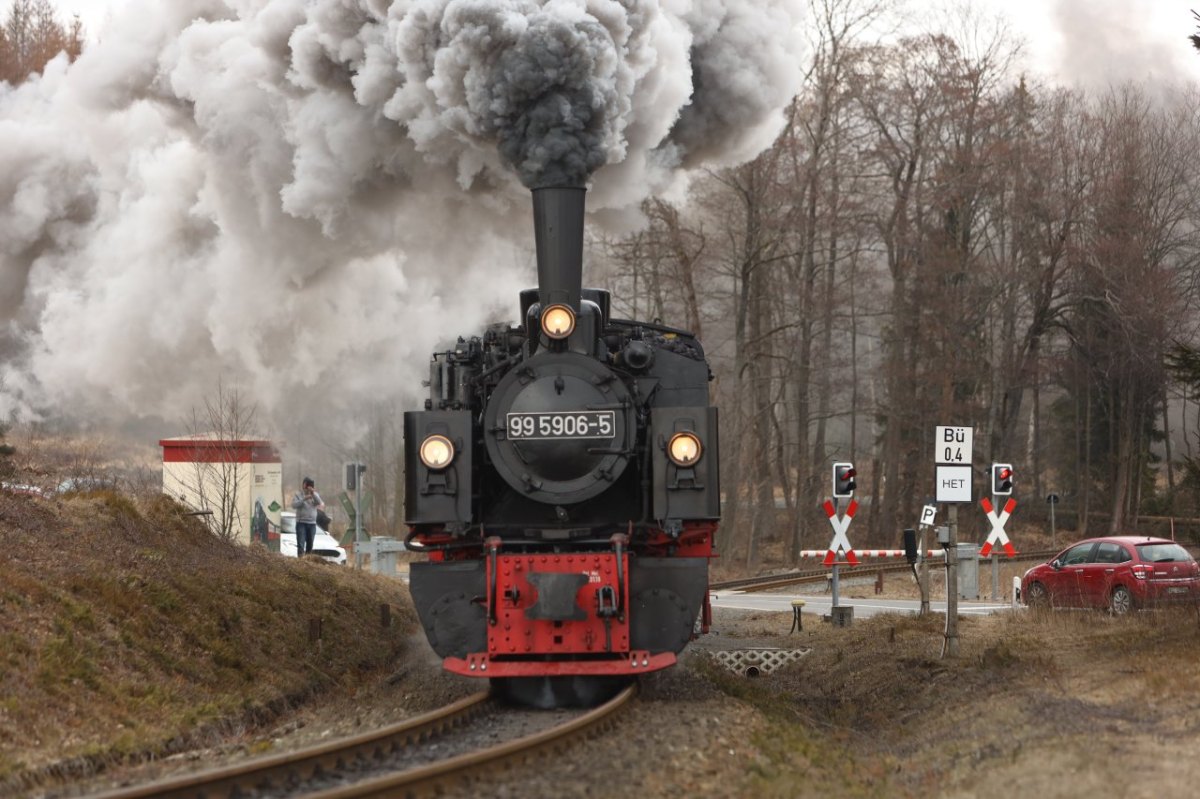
(762, 660)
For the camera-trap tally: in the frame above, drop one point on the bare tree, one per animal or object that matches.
(755, 245)
(823, 169)
(7, 469)
(32, 36)
(1137, 262)
(215, 482)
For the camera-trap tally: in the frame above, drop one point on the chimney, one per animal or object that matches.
(558, 234)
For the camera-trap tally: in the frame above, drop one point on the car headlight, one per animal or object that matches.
(437, 452)
(684, 449)
(558, 321)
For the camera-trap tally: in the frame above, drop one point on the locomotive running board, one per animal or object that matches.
(478, 664)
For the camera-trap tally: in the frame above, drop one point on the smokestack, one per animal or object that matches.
(558, 234)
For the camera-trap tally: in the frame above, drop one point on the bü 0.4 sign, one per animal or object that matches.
(953, 445)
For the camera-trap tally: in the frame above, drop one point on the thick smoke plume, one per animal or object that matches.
(1100, 45)
(301, 197)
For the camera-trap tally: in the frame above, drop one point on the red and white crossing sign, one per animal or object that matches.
(997, 535)
(840, 525)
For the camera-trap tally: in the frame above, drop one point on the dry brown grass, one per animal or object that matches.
(127, 631)
(1058, 704)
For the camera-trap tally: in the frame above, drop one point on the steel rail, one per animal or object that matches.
(250, 777)
(768, 582)
(243, 777)
(435, 776)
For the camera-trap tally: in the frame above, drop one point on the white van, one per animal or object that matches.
(325, 546)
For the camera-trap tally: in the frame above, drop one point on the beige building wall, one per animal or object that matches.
(198, 485)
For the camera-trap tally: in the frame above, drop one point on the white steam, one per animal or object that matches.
(301, 197)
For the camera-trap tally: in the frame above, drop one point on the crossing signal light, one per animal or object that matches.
(910, 545)
(1002, 478)
(354, 475)
(843, 479)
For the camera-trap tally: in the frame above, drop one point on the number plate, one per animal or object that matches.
(1177, 589)
(562, 424)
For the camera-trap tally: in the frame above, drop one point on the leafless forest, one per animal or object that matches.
(935, 238)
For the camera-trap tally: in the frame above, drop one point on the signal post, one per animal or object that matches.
(352, 473)
(953, 448)
(1002, 486)
(844, 483)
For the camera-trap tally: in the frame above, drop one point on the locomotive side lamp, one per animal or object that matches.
(558, 322)
(436, 452)
(684, 449)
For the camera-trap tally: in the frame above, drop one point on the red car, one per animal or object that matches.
(1120, 573)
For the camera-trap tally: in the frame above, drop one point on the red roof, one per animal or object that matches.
(212, 448)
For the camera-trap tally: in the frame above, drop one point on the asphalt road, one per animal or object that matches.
(821, 604)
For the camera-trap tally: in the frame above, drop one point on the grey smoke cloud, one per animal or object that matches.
(1103, 44)
(302, 197)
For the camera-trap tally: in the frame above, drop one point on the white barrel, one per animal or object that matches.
(287, 521)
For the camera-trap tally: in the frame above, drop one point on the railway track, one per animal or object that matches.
(772, 581)
(421, 756)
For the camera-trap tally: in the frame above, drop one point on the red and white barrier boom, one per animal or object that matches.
(840, 525)
(997, 536)
(872, 553)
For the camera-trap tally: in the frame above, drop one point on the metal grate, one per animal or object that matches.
(753, 662)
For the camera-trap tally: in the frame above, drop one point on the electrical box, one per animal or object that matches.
(968, 571)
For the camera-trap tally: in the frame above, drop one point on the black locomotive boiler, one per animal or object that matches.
(563, 479)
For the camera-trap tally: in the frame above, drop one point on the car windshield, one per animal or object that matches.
(1162, 553)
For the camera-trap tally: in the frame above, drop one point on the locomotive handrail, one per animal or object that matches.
(619, 542)
(505, 361)
(494, 566)
(652, 326)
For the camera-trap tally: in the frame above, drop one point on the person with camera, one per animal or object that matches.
(307, 503)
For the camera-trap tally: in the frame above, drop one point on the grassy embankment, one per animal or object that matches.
(128, 631)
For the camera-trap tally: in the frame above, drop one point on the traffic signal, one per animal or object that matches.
(354, 475)
(1002, 478)
(843, 479)
(910, 545)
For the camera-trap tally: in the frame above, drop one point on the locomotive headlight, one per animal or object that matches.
(684, 449)
(437, 452)
(558, 321)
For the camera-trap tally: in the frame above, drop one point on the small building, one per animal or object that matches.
(229, 477)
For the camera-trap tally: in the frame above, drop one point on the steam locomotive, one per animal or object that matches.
(563, 479)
